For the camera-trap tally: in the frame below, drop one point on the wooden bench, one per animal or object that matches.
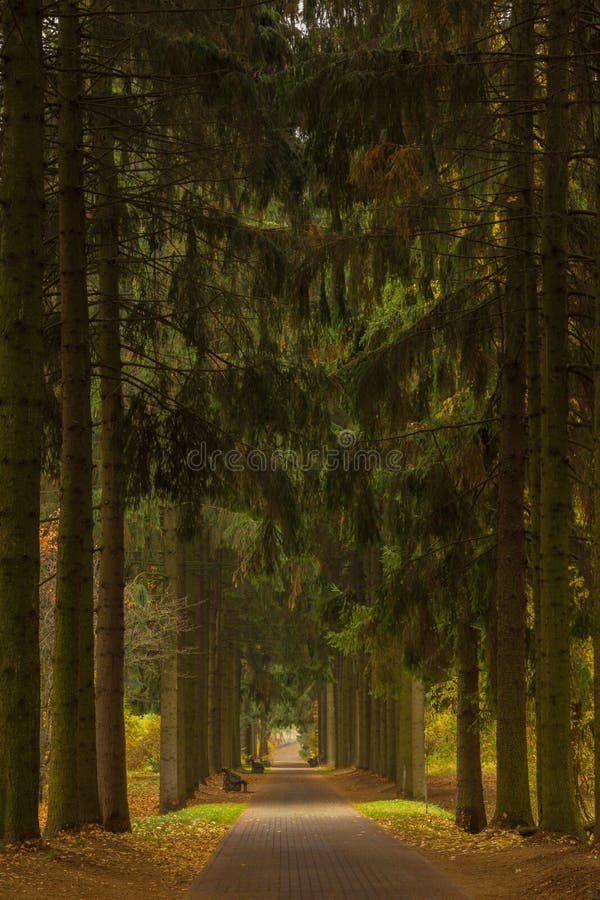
(313, 761)
(233, 782)
(258, 767)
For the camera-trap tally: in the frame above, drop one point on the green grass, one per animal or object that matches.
(401, 809)
(210, 813)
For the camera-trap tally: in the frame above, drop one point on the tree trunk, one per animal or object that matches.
(73, 797)
(356, 713)
(470, 810)
(203, 659)
(348, 706)
(196, 762)
(182, 654)
(390, 766)
(534, 425)
(595, 561)
(384, 736)
(558, 808)
(21, 387)
(254, 728)
(214, 756)
(375, 734)
(368, 745)
(170, 797)
(403, 774)
(363, 716)
(225, 690)
(513, 804)
(410, 738)
(322, 725)
(348, 694)
(339, 712)
(172, 786)
(331, 729)
(188, 710)
(110, 650)
(264, 736)
(236, 687)
(419, 790)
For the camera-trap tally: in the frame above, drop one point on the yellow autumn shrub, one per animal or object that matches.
(142, 741)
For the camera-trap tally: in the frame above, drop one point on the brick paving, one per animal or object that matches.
(298, 839)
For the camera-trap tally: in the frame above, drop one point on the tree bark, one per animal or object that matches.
(225, 713)
(356, 713)
(595, 561)
(110, 628)
(195, 703)
(382, 763)
(214, 756)
(470, 810)
(403, 737)
(322, 725)
(534, 426)
(236, 688)
(348, 709)
(172, 785)
(390, 767)
(203, 658)
(73, 797)
(339, 713)
(363, 716)
(182, 656)
(558, 807)
(375, 734)
(21, 387)
(188, 709)
(419, 789)
(367, 752)
(513, 804)
(410, 738)
(331, 729)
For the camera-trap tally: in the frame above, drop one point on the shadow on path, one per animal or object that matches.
(298, 839)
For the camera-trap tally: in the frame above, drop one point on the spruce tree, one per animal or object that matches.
(21, 387)
(73, 796)
(112, 772)
(513, 805)
(558, 808)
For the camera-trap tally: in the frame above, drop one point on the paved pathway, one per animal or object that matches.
(299, 840)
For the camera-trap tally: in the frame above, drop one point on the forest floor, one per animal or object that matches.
(163, 855)
(159, 859)
(488, 865)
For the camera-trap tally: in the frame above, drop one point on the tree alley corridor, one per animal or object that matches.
(299, 434)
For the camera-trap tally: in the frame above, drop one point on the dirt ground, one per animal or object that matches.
(159, 863)
(162, 862)
(492, 864)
